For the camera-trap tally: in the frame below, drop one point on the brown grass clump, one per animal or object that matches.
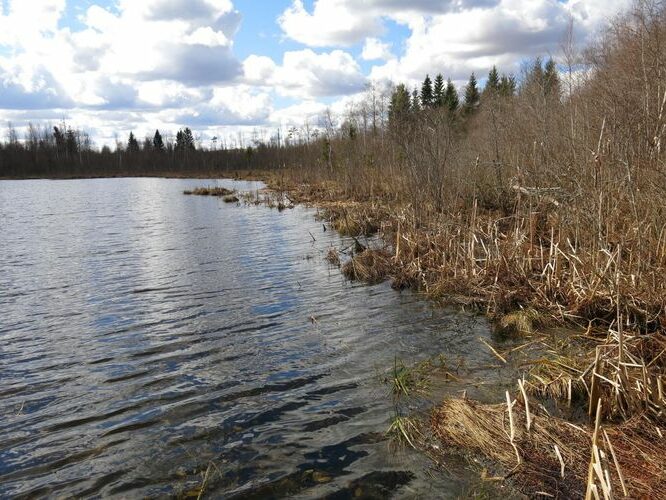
(333, 257)
(210, 191)
(369, 266)
(231, 198)
(545, 455)
(520, 322)
(355, 227)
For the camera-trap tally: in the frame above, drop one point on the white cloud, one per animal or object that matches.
(258, 70)
(460, 42)
(306, 74)
(297, 115)
(147, 64)
(332, 23)
(25, 20)
(374, 49)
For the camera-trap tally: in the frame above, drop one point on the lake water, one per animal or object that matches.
(147, 337)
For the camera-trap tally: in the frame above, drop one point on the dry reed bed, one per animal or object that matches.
(541, 209)
(526, 276)
(548, 456)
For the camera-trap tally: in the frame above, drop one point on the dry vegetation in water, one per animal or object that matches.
(211, 191)
(552, 457)
(543, 208)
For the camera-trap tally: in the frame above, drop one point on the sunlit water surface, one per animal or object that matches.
(152, 343)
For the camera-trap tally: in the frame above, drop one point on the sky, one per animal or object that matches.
(224, 67)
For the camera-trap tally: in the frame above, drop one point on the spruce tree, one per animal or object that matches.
(188, 139)
(508, 85)
(132, 144)
(426, 93)
(399, 106)
(493, 83)
(472, 96)
(71, 142)
(438, 91)
(551, 80)
(416, 101)
(535, 78)
(180, 141)
(158, 143)
(451, 100)
(59, 138)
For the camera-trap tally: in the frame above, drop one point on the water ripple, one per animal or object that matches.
(146, 335)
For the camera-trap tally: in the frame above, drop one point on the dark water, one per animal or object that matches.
(147, 337)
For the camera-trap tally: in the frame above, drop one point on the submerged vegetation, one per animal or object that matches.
(539, 199)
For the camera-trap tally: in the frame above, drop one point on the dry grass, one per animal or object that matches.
(521, 322)
(530, 457)
(230, 198)
(369, 266)
(333, 257)
(210, 191)
(540, 210)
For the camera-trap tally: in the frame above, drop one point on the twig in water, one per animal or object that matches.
(494, 351)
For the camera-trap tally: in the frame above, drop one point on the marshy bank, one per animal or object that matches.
(544, 208)
(608, 373)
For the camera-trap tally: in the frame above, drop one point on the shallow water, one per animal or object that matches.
(147, 337)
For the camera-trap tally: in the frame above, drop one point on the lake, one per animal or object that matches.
(152, 343)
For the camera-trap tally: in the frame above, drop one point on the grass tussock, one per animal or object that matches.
(333, 257)
(353, 220)
(210, 191)
(231, 198)
(405, 431)
(543, 454)
(407, 381)
(370, 266)
(519, 322)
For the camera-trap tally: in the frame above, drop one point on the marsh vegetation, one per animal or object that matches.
(539, 200)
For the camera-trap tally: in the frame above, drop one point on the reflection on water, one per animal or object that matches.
(148, 337)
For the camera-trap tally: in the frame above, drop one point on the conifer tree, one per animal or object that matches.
(438, 91)
(416, 101)
(400, 105)
(507, 86)
(451, 100)
(59, 138)
(551, 80)
(71, 142)
(188, 139)
(132, 144)
(180, 141)
(535, 78)
(493, 83)
(426, 93)
(472, 96)
(158, 143)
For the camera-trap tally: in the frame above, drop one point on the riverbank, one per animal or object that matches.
(525, 281)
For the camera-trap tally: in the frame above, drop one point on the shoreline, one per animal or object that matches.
(614, 375)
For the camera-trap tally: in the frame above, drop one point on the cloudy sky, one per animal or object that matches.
(220, 66)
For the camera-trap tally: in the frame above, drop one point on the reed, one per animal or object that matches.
(369, 266)
(552, 457)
